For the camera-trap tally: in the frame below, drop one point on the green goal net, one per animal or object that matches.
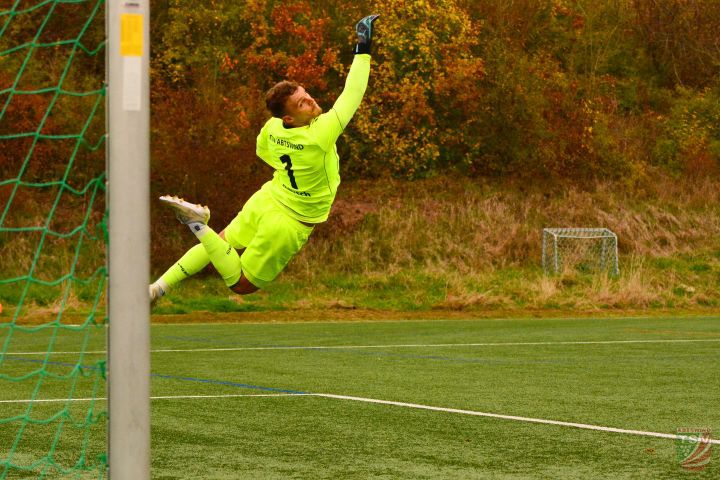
(52, 239)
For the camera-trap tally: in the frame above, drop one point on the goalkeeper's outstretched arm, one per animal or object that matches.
(349, 100)
(330, 125)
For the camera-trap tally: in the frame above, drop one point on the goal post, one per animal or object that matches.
(74, 239)
(129, 239)
(584, 249)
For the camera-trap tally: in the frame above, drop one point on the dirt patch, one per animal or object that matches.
(345, 217)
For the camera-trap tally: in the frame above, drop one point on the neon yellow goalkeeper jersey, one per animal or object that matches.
(305, 159)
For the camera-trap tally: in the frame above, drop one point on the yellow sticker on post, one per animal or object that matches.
(131, 35)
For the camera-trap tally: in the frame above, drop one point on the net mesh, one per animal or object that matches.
(587, 250)
(52, 239)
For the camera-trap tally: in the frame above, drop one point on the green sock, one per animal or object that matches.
(189, 264)
(222, 255)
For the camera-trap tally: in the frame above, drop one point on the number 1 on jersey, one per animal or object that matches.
(288, 166)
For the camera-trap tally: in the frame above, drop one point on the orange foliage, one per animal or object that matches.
(401, 125)
(529, 88)
(24, 115)
(291, 44)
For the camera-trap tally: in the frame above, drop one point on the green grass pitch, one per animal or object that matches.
(234, 398)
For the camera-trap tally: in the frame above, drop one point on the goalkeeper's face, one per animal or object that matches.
(300, 109)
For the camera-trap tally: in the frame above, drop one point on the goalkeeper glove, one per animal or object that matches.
(364, 29)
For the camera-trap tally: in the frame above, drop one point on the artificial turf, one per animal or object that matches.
(653, 375)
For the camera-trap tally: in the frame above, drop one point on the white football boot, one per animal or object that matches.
(188, 213)
(156, 292)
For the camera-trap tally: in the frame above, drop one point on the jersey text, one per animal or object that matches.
(284, 143)
(302, 194)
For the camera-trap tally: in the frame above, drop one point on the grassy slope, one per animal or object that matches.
(450, 244)
(441, 244)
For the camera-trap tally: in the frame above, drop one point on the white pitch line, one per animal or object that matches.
(418, 345)
(397, 404)
(173, 397)
(504, 417)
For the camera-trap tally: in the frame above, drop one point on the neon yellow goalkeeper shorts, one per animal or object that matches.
(269, 236)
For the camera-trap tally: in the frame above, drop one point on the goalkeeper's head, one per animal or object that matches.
(290, 102)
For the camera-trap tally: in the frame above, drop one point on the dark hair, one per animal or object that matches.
(276, 97)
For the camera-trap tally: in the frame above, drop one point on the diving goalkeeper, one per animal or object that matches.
(274, 224)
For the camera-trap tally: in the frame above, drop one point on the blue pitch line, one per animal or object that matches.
(173, 377)
(229, 384)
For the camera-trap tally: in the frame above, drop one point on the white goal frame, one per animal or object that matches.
(552, 261)
(128, 201)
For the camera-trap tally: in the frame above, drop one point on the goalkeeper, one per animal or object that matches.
(299, 143)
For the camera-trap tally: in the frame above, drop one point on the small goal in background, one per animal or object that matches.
(584, 249)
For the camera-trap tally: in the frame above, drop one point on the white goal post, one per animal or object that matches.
(128, 167)
(584, 249)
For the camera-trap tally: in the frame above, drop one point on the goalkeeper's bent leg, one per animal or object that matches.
(189, 264)
(222, 255)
